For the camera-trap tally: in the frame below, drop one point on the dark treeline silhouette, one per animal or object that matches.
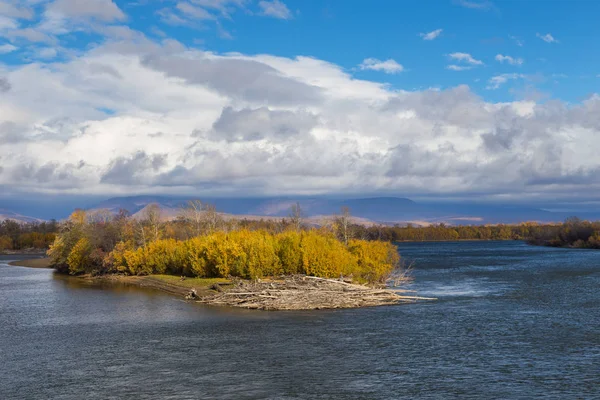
(34, 235)
(573, 233)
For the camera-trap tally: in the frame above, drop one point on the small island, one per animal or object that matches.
(285, 265)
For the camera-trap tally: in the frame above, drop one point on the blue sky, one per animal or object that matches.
(347, 32)
(474, 99)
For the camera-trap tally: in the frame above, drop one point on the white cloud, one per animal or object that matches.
(499, 80)
(548, 38)
(11, 10)
(31, 35)
(465, 57)
(431, 35)
(388, 66)
(193, 11)
(236, 124)
(7, 48)
(47, 53)
(510, 60)
(454, 67)
(103, 10)
(275, 9)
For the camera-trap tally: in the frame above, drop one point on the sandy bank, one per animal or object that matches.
(32, 263)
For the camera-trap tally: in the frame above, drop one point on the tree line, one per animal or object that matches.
(572, 233)
(34, 235)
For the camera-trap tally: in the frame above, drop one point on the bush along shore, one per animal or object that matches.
(296, 268)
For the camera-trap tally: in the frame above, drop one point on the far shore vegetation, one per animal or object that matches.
(119, 243)
(574, 233)
(18, 237)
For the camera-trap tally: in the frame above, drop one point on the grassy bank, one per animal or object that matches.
(165, 283)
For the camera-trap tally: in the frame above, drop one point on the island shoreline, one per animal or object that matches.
(291, 293)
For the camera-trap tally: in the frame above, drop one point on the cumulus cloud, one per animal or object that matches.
(7, 48)
(4, 85)
(103, 10)
(275, 9)
(46, 53)
(431, 35)
(508, 59)
(15, 10)
(548, 38)
(262, 123)
(454, 67)
(388, 66)
(242, 79)
(496, 81)
(185, 121)
(31, 35)
(465, 57)
(133, 170)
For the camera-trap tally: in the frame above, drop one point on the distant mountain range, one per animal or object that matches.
(12, 216)
(385, 210)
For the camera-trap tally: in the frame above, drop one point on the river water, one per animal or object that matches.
(511, 322)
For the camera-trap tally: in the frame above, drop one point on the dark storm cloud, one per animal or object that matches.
(134, 170)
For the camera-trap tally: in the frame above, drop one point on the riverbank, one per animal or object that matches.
(166, 283)
(295, 292)
(43, 262)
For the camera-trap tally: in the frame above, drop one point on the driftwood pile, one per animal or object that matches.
(305, 293)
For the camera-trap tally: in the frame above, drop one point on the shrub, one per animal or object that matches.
(375, 260)
(325, 256)
(289, 252)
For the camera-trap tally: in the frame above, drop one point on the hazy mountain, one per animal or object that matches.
(10, 215)
(388, 210)
(377, 209)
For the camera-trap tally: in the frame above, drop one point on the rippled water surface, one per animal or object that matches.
(512, 321)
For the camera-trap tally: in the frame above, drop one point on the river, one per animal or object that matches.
(512, 321)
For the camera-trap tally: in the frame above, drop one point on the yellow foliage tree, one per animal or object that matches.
(375, 260)
(5, 243)
(325, 256)
(78, 258)
(289, 251)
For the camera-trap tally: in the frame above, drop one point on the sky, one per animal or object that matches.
(494, 101)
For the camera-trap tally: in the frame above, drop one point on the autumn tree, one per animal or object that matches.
(194, 214)
(212, 219)
(342, 224)
(296, 216)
